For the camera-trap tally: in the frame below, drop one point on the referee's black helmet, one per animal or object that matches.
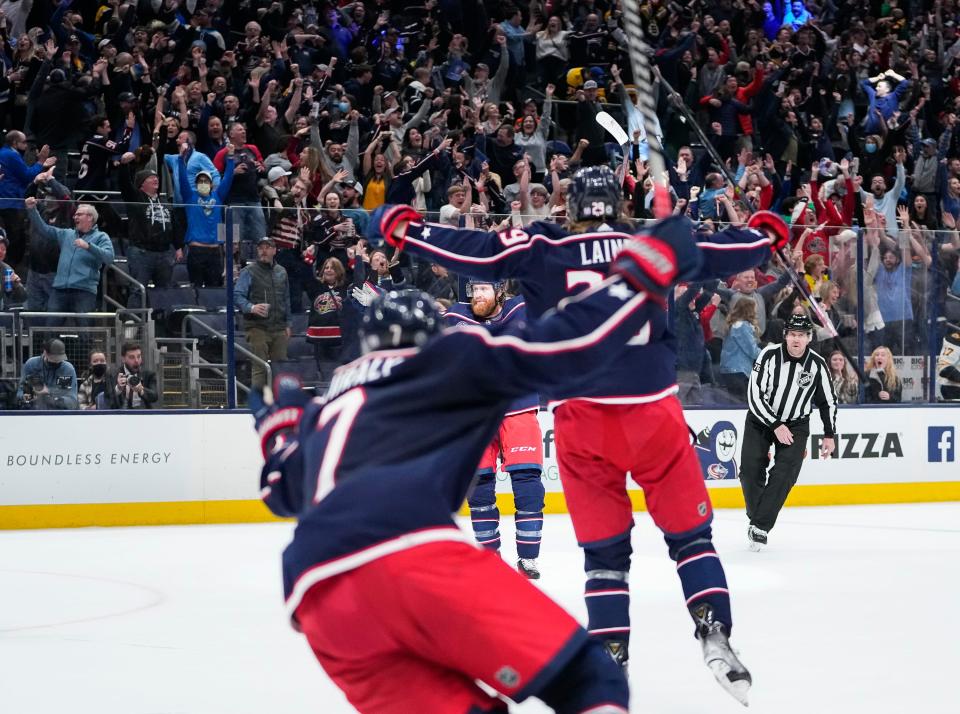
(798, 323)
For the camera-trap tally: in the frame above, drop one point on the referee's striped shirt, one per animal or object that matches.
(783, 390)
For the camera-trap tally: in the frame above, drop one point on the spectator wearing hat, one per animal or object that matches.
(17, 293)
(15, 178)
(155, 239)
(204, 210)
(263, 297)
(84, 250)
(48, 381)
(351, 198)
(481, 88)
(587, 108)
(926, 170)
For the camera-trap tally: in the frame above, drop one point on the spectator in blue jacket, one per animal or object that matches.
(740, 348)
(204, 208)
(83, 251)
(15, 179)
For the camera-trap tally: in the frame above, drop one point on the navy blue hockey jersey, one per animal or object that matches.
(382, 462)
(551, 264)
(513, 310)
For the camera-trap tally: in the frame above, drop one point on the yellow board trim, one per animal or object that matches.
(200, 512)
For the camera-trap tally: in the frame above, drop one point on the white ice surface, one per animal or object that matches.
(851, 609)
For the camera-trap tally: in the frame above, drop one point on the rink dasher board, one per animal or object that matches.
(203, 467)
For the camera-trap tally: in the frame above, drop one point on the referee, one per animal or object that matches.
(786, 381)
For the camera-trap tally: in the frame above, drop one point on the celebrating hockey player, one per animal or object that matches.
(625, 419)
(518, 443)
(402, 609)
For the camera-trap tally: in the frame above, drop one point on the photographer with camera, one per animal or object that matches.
(48, 381)
(133, 387)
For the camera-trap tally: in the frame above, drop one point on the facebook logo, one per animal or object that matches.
(940, 444)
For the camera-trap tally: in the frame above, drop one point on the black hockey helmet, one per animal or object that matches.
(798, 323)
(594, 193)
(498, 286)
(399, 318)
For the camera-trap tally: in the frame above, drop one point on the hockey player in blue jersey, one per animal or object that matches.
(626, 419)
(403, 611)
(518, 444)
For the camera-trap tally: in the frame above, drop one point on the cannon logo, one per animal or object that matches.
(874, 445)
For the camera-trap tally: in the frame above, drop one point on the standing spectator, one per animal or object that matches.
(16, 292)
(886, 201)
(535, 133)
(263, 296)
(587, 108)
(244, 196)
(155, 239)
(15, 178)
(893, 282)
(84, 249)
(94, 382)
(204, 209)
(44, 254)
(883, 384)
(48, 381)
(785, 384)
(744, 287)
(884, 100)
(845, 383)
(740, 348)
(131, 387)
(553, 54)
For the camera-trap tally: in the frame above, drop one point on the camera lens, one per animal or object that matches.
(134, 380)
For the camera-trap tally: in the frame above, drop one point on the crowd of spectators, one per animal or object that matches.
(131, 126)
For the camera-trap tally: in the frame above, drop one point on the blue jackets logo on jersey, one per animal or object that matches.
(716, 448)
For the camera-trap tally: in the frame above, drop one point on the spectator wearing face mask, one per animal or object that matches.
(204, 209)
(94, 382)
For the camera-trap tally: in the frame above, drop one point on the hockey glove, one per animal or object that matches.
(364, 295)
(385, 220)
(277, 413)
(772, 226)
(648, 265)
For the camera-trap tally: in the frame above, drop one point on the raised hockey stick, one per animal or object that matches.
(646, 103)
(691, 120)
(613, 128)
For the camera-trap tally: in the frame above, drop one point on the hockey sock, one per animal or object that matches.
(607, 590)
(528, 496)
(484, 512)
(590, 681)
(701, 573)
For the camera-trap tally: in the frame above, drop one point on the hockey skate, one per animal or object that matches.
(757, 538)
(718, 655)
(618, 651)
(528, 568)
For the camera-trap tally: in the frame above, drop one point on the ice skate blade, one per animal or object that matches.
(739, 689)
(756, 547)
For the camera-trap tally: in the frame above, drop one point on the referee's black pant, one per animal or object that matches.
(765, 495)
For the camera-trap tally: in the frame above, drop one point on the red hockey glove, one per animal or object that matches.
(648, 265)
(773, 226)
(388, 218)
(276, 415)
